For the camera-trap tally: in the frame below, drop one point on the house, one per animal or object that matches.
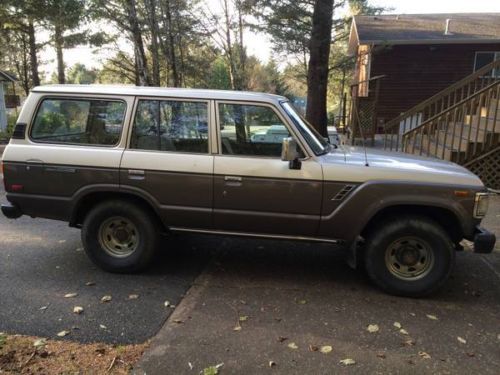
(402, 60)
(429, 84)
(7, 101)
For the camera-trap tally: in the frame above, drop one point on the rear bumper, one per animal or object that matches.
(484, 241)
(11, 211)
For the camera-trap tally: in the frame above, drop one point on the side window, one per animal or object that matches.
(79, 121)
(250, 130)
(166, 125)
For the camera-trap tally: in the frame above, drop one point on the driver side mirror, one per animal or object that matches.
(289, 153)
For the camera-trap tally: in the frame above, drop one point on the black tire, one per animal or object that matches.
(140, 225)
(397, 242)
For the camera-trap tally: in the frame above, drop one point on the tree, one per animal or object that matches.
(18, 20)
(79, 74)
(61, 17)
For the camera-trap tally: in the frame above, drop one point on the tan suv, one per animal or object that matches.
(127, 164)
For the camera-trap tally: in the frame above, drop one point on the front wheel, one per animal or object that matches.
(120, 236)
(409, 256)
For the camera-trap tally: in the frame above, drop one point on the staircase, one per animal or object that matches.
(459, 124)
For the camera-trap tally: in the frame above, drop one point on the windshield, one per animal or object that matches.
(317, 143)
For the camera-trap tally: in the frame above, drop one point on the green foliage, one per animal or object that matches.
(3, 340)
(79, 74)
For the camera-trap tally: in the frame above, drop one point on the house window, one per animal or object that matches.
(485, 58)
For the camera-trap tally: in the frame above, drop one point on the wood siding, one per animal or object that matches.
(414, 73)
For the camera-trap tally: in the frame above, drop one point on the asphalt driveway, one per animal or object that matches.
(41, 261)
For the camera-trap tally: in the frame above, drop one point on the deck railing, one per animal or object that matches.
(439, 104)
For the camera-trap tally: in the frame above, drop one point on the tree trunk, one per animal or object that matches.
(33, 58)
(59, 41)
(317, 73)
(171, 45)
(229, 48)
(140, 55)
(155, 57)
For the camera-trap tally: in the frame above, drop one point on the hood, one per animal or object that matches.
(395, 166)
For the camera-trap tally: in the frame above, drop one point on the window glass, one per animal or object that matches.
(80, 121)
(165, 125)
(485, 58)
(251, 130)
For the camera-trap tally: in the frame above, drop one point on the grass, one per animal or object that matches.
(18, 355)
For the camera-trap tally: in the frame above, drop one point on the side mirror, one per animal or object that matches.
(289, 153)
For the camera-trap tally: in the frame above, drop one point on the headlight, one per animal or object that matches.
(481, 205)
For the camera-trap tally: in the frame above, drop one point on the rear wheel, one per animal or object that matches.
(120, 236)
(409, 256)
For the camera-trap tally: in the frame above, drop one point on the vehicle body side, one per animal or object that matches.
(328, 199)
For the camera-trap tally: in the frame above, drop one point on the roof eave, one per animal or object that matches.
(353, 39)
(431, 41)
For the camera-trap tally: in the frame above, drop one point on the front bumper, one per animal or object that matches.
(11, 211)
(484, 241)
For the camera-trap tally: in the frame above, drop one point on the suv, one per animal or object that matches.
(127, 164)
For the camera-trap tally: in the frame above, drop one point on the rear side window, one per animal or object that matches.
(79, 121)
(169, 125)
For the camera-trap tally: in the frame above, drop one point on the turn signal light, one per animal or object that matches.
(16, 187)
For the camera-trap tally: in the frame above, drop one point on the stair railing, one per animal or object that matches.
(438, 103)
(461, 132)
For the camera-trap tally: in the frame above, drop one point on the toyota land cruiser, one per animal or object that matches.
(128, 164)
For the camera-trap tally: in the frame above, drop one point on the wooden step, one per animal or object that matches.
(427, 146)
(485, 123)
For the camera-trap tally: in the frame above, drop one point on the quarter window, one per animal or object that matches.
(250, 130)
(164, 125)
(79, 121)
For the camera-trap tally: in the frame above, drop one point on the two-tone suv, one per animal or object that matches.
(127, 164)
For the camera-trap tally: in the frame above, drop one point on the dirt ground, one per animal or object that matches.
(32, 355)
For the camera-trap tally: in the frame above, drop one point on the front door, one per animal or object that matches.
(254, 191)
(168, 160)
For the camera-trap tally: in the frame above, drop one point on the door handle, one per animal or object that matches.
(136, 174)
(232, 179)
(32, 163)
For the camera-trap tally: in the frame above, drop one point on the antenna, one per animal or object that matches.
(447, 27)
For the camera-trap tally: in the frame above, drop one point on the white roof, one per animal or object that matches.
(130, 90)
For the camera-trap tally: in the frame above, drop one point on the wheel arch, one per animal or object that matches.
(86, 201)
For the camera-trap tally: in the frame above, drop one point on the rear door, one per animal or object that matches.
(254, 191)
(168, 159)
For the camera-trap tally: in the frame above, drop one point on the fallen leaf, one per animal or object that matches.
(347, 362)
(409, 342)
(40, 343)
(63, 333)
(190, 365)
(178, 321)
(293, 346)
(43, 308)
(102, 326)
(432, 317)
(403, 331)
(101, 351)
(381, 355)
(302, 302)
(106, 299)
(90, 283)
(79, 249)
(272, 363)
(133, 296)
(313, 348)
(62, 241)
(461, 340)
(281, 339)
(424, 355)
(471, 354)
(326, 349)
(166, 303)
(212, 370)
(237, 328)
(70, 295)
(372, 328)
(77, 309)
(397, 325)
(243, 318)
